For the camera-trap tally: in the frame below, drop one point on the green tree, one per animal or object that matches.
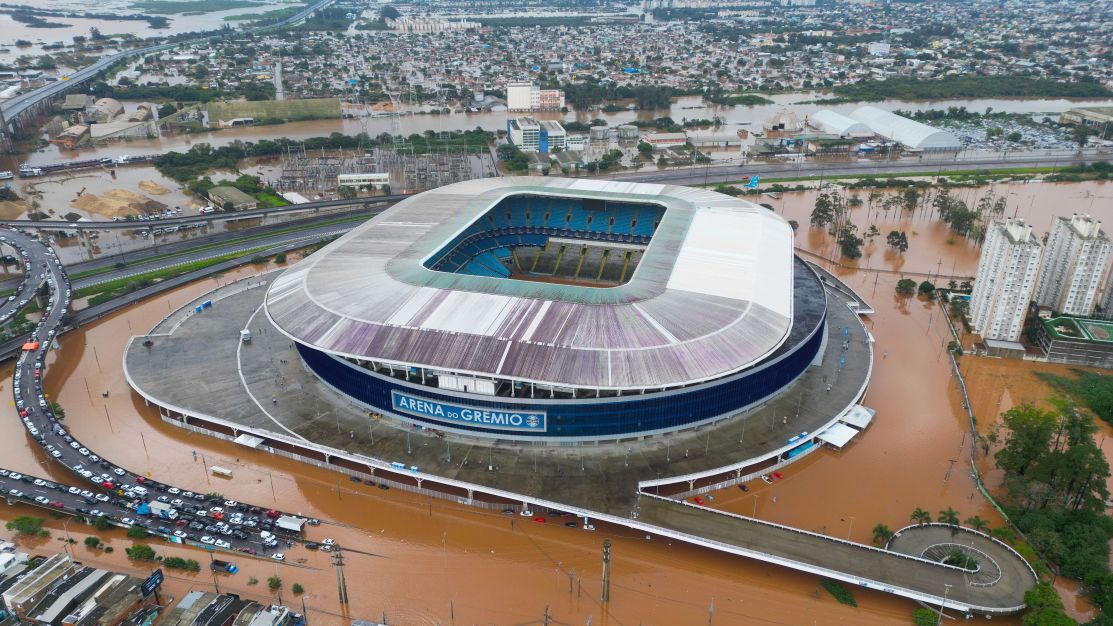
(138, 532)
(824, 211)
(920, 516)
(881, 534)
(102, 523)
(346, 192)
(1045, 607)
(948, 516)
(977, 524)
(906, 287)
(92, 542)
(274, 583)
(140, 552)
(926, 288)
(26, 525)
(644, 148)
(897, 240)
(1080, 135)
(849, 242)
(297, 589)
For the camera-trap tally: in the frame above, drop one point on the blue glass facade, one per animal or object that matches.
(591, 417)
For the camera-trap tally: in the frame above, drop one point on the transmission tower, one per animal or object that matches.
(341, 584)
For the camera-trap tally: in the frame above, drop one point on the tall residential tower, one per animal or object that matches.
(1074, 263)
(1005, 280)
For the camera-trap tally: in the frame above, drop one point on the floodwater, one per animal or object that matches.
(12, 30)
(426, 562)
(691, 107)
(932, 248)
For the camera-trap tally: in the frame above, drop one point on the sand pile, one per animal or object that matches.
(153, 187)
(117, 203)
(13, 209)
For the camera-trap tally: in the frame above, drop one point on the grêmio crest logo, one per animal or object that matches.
(495, 419)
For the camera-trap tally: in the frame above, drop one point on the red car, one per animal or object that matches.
(108, 484)
(698, 500)
(56, 504)
(539, 520)
(273, 514)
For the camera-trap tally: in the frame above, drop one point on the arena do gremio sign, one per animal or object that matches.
(530, 421)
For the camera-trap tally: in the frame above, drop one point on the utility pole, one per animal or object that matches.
(605, 598)
(341, 585)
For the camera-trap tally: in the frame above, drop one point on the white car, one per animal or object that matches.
(173, 490)
(220, 543)
(100, 497)
(119, 471)
(278, 556)
(15, 475)
(127, 520)
(328, 542)
(264, 535)
(39, 482)
(74, 491)
(177, 502)
(86, 494)
(208, 540)
(42, 500)
(56, 454)
(179, 533)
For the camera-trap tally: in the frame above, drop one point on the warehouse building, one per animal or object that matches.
(909, 133)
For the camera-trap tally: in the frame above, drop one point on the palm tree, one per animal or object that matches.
(977, 524)
(882, 534)
(921, 516)
(949, 517)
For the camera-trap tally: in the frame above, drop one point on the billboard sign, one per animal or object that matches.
(462, 415)
(153, 582)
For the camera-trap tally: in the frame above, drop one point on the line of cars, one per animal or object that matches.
(120, 496)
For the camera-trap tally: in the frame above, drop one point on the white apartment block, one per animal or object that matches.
(1074, 263)
(527, 96)
(524, 132)
(1005, 280)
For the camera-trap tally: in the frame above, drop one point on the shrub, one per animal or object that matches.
(140, 552)
(924, 617)
(102, 523)
(92, 542)
(138, 532)
(274, 582)
(842, 594)
(298, 589)
(26, 525)
(252, 581)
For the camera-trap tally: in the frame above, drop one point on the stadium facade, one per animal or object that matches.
(557, 309)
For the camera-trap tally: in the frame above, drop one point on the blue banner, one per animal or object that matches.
(496, 419)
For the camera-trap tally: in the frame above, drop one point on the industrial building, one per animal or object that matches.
(909, 133)
(1005, 280)
(1092, 117)
(227, 197)
(485, 315)
(527, 96)
(1074, 263)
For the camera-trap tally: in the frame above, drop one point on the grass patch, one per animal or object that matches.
(99, 294)
(840, 593)
(1000, 172)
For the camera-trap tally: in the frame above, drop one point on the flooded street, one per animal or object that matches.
(689, 107)
(427, 562)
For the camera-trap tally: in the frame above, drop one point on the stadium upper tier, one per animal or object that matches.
(712, 294)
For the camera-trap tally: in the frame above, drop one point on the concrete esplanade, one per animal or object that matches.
(262, 394)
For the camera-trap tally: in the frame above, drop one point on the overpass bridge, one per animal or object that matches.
(16, 113)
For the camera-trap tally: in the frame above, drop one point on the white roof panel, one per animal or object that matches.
(838, 435)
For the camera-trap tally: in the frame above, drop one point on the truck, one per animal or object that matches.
(163, 510)
(26, 171)
(245, 336)
(223, 566)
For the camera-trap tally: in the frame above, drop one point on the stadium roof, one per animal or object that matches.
(837, 123)
(908, 132)
(711, 296)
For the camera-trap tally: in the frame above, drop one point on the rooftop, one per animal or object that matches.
(712, 295)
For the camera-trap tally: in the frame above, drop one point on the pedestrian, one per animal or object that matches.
(828, 386)
(785, 420)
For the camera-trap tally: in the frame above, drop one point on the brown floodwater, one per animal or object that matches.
(425, 562)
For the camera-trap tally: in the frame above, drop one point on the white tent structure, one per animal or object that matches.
(838, 124)
(911, 133)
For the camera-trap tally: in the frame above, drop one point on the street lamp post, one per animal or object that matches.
(943, 606)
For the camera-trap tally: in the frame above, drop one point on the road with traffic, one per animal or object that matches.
(121, 496)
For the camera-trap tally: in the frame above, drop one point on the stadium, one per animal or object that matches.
(557, 310)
